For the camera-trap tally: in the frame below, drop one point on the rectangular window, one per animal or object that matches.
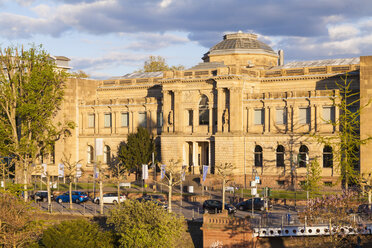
(107, 120)
(160, 119)
(190, 117)
(91, 120)
(328, 184)
(328, 114)
(259, 116)
(304, 115)
(281, 116)
(124, 119)
(142, 120)
(281, 182)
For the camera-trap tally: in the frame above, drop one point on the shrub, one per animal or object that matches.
(145, 224)
(76, 233)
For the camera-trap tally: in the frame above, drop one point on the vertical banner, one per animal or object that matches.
(183, 173)
(44, 172)
(145, 171)
(162, 171)
(99, 150)
(96, 172)
(205, 172)
(78, 170)
(61, 170)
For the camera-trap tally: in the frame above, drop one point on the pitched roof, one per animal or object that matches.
(316, 63)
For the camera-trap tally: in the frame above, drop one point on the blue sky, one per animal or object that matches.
(108, 38)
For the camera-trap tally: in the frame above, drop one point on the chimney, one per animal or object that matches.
(281, 57)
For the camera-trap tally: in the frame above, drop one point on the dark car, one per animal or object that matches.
(77, 197)
(213, 206)
(159, 198)
(365, 209)
(41, 196)
(258, 204)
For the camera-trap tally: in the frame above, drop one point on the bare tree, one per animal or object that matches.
(173, 175)
(224, 171)
(70, 171)
(18, 227)
(118, 170)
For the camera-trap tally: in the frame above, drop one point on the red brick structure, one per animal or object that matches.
(221, 230)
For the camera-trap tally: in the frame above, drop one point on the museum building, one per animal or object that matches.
(241, 105)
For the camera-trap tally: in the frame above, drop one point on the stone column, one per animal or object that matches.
(177, 120)
(96, 120)
(166, 109)
(220, 108)
(114, 121)
(132, 123)
(195, 158)
(337, 116)
(312, 117)
(210, 126)
(236, 108)
(267, 119)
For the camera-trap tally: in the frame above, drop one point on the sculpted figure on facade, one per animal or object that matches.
(170, 118)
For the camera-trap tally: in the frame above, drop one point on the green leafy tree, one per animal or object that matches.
(313, 177)
(76, 233)
(79, 74)
(31, 92)
(18, 227)
(137, 151)
(158, 63)
(347, 141)
(145, 224)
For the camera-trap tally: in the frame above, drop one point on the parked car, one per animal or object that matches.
(365, 209)
(213, 206)
(41, 195)
(159, 198)
(77, 197)
(110, 198)
(258, 204)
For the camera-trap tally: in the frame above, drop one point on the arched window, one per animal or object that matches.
(280, 156)
(327, 157)
(203, 111)
(303, 156)
(258, 156)
(90, 154)
(106, 154)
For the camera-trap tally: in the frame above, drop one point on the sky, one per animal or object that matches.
(109, 38)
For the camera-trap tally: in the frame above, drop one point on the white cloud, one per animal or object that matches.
(338, 32)
(165, 3)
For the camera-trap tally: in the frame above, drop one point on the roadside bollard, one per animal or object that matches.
(198, 213)
(193, 214)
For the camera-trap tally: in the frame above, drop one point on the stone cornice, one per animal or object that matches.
(305, 77)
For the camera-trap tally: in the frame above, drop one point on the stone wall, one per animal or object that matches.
(221, 230)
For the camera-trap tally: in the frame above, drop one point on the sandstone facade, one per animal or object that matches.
(240, 105)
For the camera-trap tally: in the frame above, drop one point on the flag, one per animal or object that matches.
(205, 172)
(145, 171)
(162, 171)
(183, 173)
(99, 146)
(96, 172)
(78, 170)
(61, 171)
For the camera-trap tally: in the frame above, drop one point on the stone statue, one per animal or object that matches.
(170, 118)
(225, 117)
